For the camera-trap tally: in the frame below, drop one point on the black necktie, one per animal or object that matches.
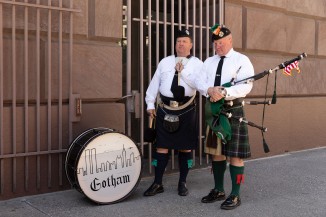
(217, 81)
(178, 91)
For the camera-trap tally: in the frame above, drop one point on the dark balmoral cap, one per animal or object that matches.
(219, 31)
(183, 33)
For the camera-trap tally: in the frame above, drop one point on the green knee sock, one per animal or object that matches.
(219, 168)
(237, 178)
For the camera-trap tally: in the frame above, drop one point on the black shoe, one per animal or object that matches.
(213, 196)
(231, 202)
(154, 189)
(182, 189)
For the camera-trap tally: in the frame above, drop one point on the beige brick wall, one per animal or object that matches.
(97, 70)
(321, 38)
(105, 18)
(289, 127)
(277, 31)
(97, 63)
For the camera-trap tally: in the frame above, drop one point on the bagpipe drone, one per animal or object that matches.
(218, 113)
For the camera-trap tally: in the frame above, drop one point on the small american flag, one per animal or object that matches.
(288, 70)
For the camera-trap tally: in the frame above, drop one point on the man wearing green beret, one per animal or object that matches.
(227, 138)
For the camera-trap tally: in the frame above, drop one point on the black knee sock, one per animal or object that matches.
(160, 160)
(185, 163)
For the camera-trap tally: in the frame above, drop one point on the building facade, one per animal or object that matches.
(67, 66)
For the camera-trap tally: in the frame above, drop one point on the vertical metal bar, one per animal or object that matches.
(172, 27)
(1, 102)
(149, 39)
(141, 74)
(71, 29)
(213, 21)
(149, 2)
(214, 12)
(201, 29)
(49, 104)
(128, 75)
(60, 93)
(14, 109)
(26, 134)
(207, 28)
(157, 32)
(187, 14)
(179, 13)
(221, 11)
(70, 67)
(194, 27)
(165, 27)
(38, 127)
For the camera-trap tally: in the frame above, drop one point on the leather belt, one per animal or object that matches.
(171, 104)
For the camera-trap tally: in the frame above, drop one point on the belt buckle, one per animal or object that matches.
(174, 104)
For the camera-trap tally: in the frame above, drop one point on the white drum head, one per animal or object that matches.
(109, 168)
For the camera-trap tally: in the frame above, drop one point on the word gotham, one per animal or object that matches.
(112, 181)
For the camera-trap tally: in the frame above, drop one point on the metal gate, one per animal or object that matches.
(36, 40)
(150, 29)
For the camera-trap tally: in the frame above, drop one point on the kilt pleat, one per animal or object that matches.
(239, 145)
(186, 137)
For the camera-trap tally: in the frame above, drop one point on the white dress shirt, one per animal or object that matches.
(163, 76)
(237, 66)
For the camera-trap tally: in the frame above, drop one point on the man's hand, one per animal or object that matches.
(151, 113)
(215, 93)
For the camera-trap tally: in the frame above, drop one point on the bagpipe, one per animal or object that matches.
(218, 113)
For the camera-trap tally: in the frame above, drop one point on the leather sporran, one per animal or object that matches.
(171, 123)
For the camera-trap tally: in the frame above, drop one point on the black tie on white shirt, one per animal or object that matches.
(178, 91)
(217, 81)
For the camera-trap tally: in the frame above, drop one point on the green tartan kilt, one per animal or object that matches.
(239, 145)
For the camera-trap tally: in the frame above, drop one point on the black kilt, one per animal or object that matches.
(186, 137)
(239, 145)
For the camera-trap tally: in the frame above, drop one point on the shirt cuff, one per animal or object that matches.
(150, 106)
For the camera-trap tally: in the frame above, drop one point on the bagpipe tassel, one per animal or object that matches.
(274, 94)
(266, 148)
(274, 97)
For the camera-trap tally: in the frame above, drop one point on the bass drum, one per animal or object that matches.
(104, 165)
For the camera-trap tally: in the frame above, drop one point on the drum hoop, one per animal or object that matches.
(71, 146)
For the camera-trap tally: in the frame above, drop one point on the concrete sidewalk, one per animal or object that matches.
(293, 184)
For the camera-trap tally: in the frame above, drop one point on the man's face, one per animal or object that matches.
(183, 46)
(223, 45)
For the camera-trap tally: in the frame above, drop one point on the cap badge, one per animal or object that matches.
(217, 31)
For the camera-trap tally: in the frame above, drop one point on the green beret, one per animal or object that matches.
(219, 31)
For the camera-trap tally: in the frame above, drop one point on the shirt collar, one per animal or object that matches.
(228, 54)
